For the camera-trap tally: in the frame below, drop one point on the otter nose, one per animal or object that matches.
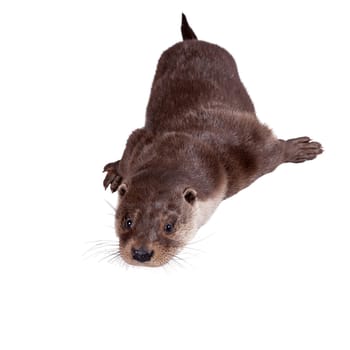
(141, 254)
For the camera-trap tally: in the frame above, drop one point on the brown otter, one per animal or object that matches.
(201, 143)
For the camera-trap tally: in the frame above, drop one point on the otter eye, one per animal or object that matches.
(168, 228)
(128, 223)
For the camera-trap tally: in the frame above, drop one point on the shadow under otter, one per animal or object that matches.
(201, 143)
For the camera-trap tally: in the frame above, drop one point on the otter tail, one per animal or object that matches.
(186, 30)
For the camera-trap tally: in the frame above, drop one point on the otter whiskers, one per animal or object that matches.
(108, 249)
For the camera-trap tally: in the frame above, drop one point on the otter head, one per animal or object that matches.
(154, 222)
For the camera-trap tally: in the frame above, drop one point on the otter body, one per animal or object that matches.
(201, 143)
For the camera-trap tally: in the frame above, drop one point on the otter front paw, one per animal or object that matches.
(300, 149)
(113, 178)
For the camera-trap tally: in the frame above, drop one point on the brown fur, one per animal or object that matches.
(201, 140)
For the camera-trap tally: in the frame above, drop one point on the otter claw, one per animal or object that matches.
(300, 149)
(113, 178)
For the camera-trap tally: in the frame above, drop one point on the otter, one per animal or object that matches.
(201, 143)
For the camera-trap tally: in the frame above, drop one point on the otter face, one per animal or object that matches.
(153, 226)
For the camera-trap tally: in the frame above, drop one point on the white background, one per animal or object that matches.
(272, 270)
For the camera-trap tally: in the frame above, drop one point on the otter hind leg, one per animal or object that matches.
(300, 149)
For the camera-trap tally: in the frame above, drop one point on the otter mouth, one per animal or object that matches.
(145, 261)
(152, 256)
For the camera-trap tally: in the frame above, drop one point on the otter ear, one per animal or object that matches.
(122, 189)
(190, 195)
